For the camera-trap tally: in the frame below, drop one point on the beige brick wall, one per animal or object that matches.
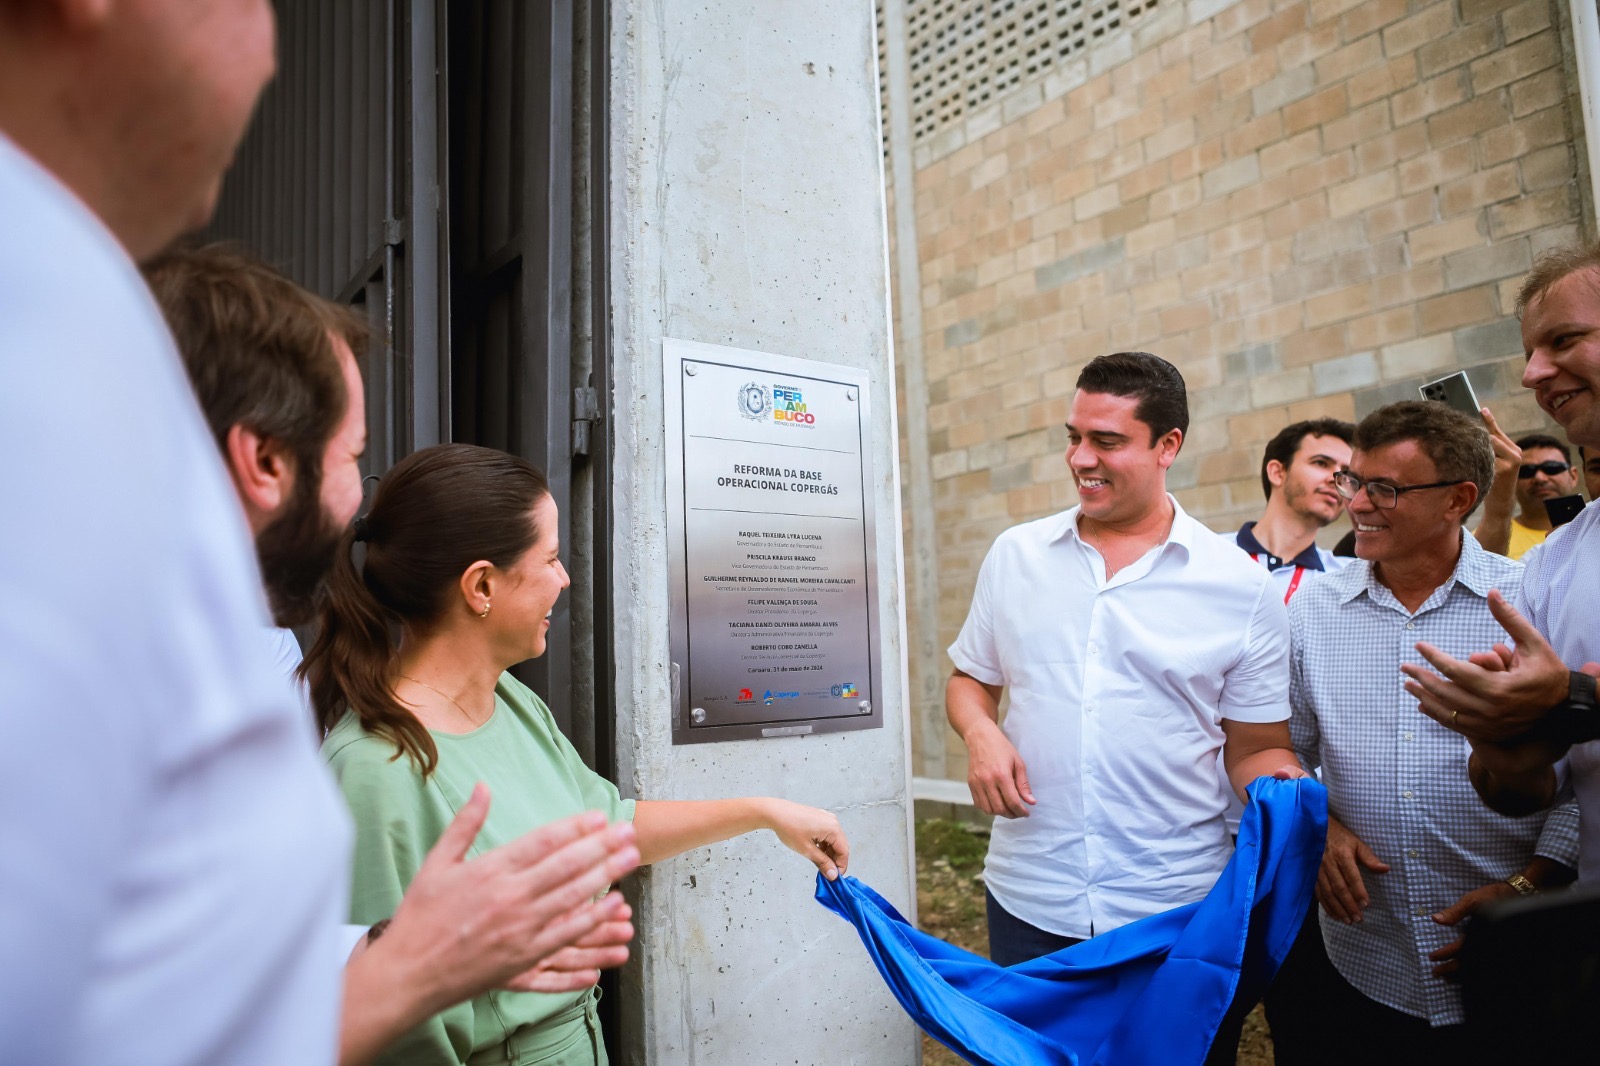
(1309, 207)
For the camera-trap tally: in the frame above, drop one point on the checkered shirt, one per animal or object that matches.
(1397, 779)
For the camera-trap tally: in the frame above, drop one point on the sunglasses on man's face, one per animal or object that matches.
(1553, 468)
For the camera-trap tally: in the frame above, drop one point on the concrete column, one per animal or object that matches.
(928, 696)
(747, 210)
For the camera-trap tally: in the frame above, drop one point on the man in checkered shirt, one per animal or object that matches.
(1411, 850)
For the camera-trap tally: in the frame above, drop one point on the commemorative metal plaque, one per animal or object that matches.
(773, 546)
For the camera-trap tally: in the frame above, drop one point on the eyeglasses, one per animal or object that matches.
(1381, 494)
(1549, 468)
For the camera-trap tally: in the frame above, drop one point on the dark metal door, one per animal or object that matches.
(510, 205)
(415, 158)
(326, 187)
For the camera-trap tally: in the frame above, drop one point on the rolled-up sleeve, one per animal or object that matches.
(1257, 688)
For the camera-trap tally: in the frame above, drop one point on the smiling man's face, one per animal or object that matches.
(1422, 523)
(1561, 340)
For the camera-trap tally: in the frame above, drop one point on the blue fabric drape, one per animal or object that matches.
(1151, 992)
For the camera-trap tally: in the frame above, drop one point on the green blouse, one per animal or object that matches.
(534, 777)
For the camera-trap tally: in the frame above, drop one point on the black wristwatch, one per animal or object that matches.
(1575, 719)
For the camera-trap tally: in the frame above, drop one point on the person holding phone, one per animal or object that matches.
(1544, 471)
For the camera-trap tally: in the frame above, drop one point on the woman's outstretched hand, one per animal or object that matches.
(814, 833)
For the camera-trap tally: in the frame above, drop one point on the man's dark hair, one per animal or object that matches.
(1156, 383)
(259, 353)
(1287, 442)
(1457, 443)
(257, 347)
(1545, 440)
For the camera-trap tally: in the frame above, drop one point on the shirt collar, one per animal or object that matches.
(1246, 539)
(1181, 534)
(1472, 571)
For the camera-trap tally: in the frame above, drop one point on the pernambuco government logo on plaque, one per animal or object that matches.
(754, 401)
(772, 545)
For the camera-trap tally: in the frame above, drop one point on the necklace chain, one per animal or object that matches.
(446, 695)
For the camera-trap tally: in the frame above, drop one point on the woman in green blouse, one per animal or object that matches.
(463, 563)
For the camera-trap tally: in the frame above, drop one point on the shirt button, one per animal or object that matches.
(1094, 649)
(1422, 912)
(1411, 736)
(1412, 853)
(1406, 794)
(1088, 769)
(1411, 625)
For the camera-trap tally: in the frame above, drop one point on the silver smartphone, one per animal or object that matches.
(1456, 391)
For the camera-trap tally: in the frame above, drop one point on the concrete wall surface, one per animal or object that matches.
(747, 210)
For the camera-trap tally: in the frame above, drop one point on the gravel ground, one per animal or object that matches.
(950, 906)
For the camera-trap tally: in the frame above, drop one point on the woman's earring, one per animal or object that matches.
(485, 612)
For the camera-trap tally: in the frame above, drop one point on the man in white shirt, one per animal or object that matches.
(175, 853)
(275, 369)
(1135, 644)
(1527, 707)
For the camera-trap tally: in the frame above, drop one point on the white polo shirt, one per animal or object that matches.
(1117, 691)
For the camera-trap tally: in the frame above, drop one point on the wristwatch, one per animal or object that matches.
(1575, 719)
(1523, 886)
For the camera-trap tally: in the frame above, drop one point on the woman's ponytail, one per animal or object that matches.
(436, 512)
(348, 666)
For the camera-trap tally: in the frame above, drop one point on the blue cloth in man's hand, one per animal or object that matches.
(1151, 992)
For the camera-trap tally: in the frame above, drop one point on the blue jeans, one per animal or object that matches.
(1012, 940)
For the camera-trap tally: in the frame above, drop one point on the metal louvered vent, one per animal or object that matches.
(968, 54)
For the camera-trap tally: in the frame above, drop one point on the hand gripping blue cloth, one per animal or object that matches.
(1152, 992)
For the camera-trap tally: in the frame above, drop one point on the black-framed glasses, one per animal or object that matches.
(1549, 468)
(1381, 494)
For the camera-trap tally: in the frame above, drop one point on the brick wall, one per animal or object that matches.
(1310, 208)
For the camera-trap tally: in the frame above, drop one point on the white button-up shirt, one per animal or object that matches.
(1118, 689)
(1561, 597)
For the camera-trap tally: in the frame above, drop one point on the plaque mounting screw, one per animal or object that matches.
(698, 715)
(850, 394)
(865, 706)
(690, 369)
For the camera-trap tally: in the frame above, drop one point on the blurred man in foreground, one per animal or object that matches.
(176, 856)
